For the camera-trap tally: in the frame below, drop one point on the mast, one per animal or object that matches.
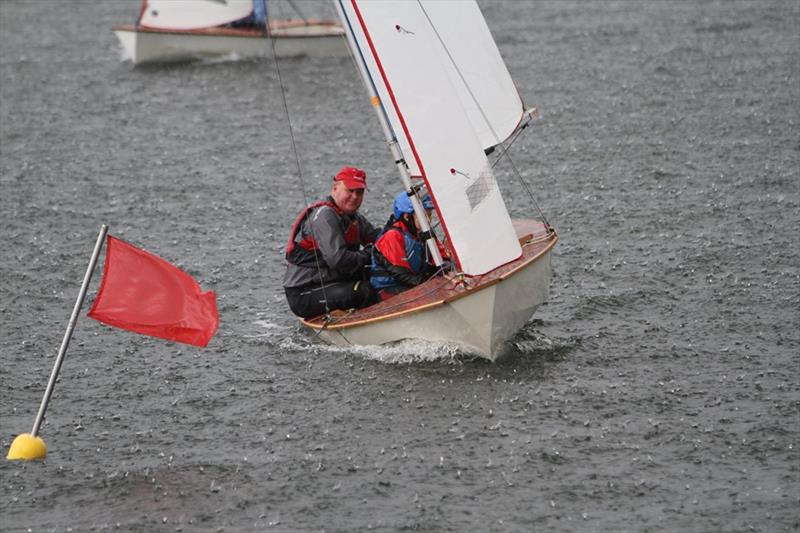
(391, 138)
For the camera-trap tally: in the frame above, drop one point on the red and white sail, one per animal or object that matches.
(442, 127)
(193, 14)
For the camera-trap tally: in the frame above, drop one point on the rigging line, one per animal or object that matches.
(483, 113)
(297, 10)
(299, 170)
(460, 75)
(328, 320)
(506, 148)
(524, 183)
(528, 190)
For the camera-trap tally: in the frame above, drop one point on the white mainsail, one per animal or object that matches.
(193, 14)
(436, 132)
(477, 69)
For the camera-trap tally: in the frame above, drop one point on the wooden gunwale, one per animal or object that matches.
(542, 244)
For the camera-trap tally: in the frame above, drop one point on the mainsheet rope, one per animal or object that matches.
(299, 170)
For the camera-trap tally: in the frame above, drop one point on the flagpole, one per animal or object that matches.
(30, 446)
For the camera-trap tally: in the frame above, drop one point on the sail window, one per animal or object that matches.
(479, 190)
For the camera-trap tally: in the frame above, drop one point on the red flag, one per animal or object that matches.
(143, 293)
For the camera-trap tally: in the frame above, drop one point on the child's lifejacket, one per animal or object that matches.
(415, 256)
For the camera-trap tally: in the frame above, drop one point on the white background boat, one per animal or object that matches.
(169, 31)
(445, 99)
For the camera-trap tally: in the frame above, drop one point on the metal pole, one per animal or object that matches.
(70, 328)
(388, 133)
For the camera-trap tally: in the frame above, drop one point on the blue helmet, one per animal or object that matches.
(402, 204)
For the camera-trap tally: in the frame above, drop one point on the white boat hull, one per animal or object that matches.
(150, 46)
(481, 321)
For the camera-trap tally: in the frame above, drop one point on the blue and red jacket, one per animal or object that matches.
(399, 259)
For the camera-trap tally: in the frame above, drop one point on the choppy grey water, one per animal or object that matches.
(656, 390)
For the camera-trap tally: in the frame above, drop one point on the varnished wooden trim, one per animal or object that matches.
(421, 292)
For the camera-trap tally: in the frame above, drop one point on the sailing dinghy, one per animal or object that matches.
(445, 100)
(172, 31)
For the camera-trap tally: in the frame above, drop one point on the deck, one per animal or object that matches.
(438, 290)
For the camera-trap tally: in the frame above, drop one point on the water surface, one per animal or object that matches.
(657, 390)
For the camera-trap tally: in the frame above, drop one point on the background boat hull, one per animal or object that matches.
(151, 46)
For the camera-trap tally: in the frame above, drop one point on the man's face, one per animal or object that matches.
(348, 200)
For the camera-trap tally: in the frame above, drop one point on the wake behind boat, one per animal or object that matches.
(168, 31)
(445, 100)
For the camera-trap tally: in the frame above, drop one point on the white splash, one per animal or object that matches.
(404, 352)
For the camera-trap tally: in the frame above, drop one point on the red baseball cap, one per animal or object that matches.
(352, 177)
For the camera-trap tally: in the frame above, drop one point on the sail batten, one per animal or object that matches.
(435, 129)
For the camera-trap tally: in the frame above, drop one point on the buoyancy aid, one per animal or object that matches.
(303, 252)
(415, 256)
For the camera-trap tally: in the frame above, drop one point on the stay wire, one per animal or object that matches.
(483, 114)
(505, 154)
(526, 187)
(299, 169)
(297, 10)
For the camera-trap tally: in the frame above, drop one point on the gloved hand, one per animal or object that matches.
(366, 256)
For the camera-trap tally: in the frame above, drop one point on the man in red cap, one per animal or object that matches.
(328, 251)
